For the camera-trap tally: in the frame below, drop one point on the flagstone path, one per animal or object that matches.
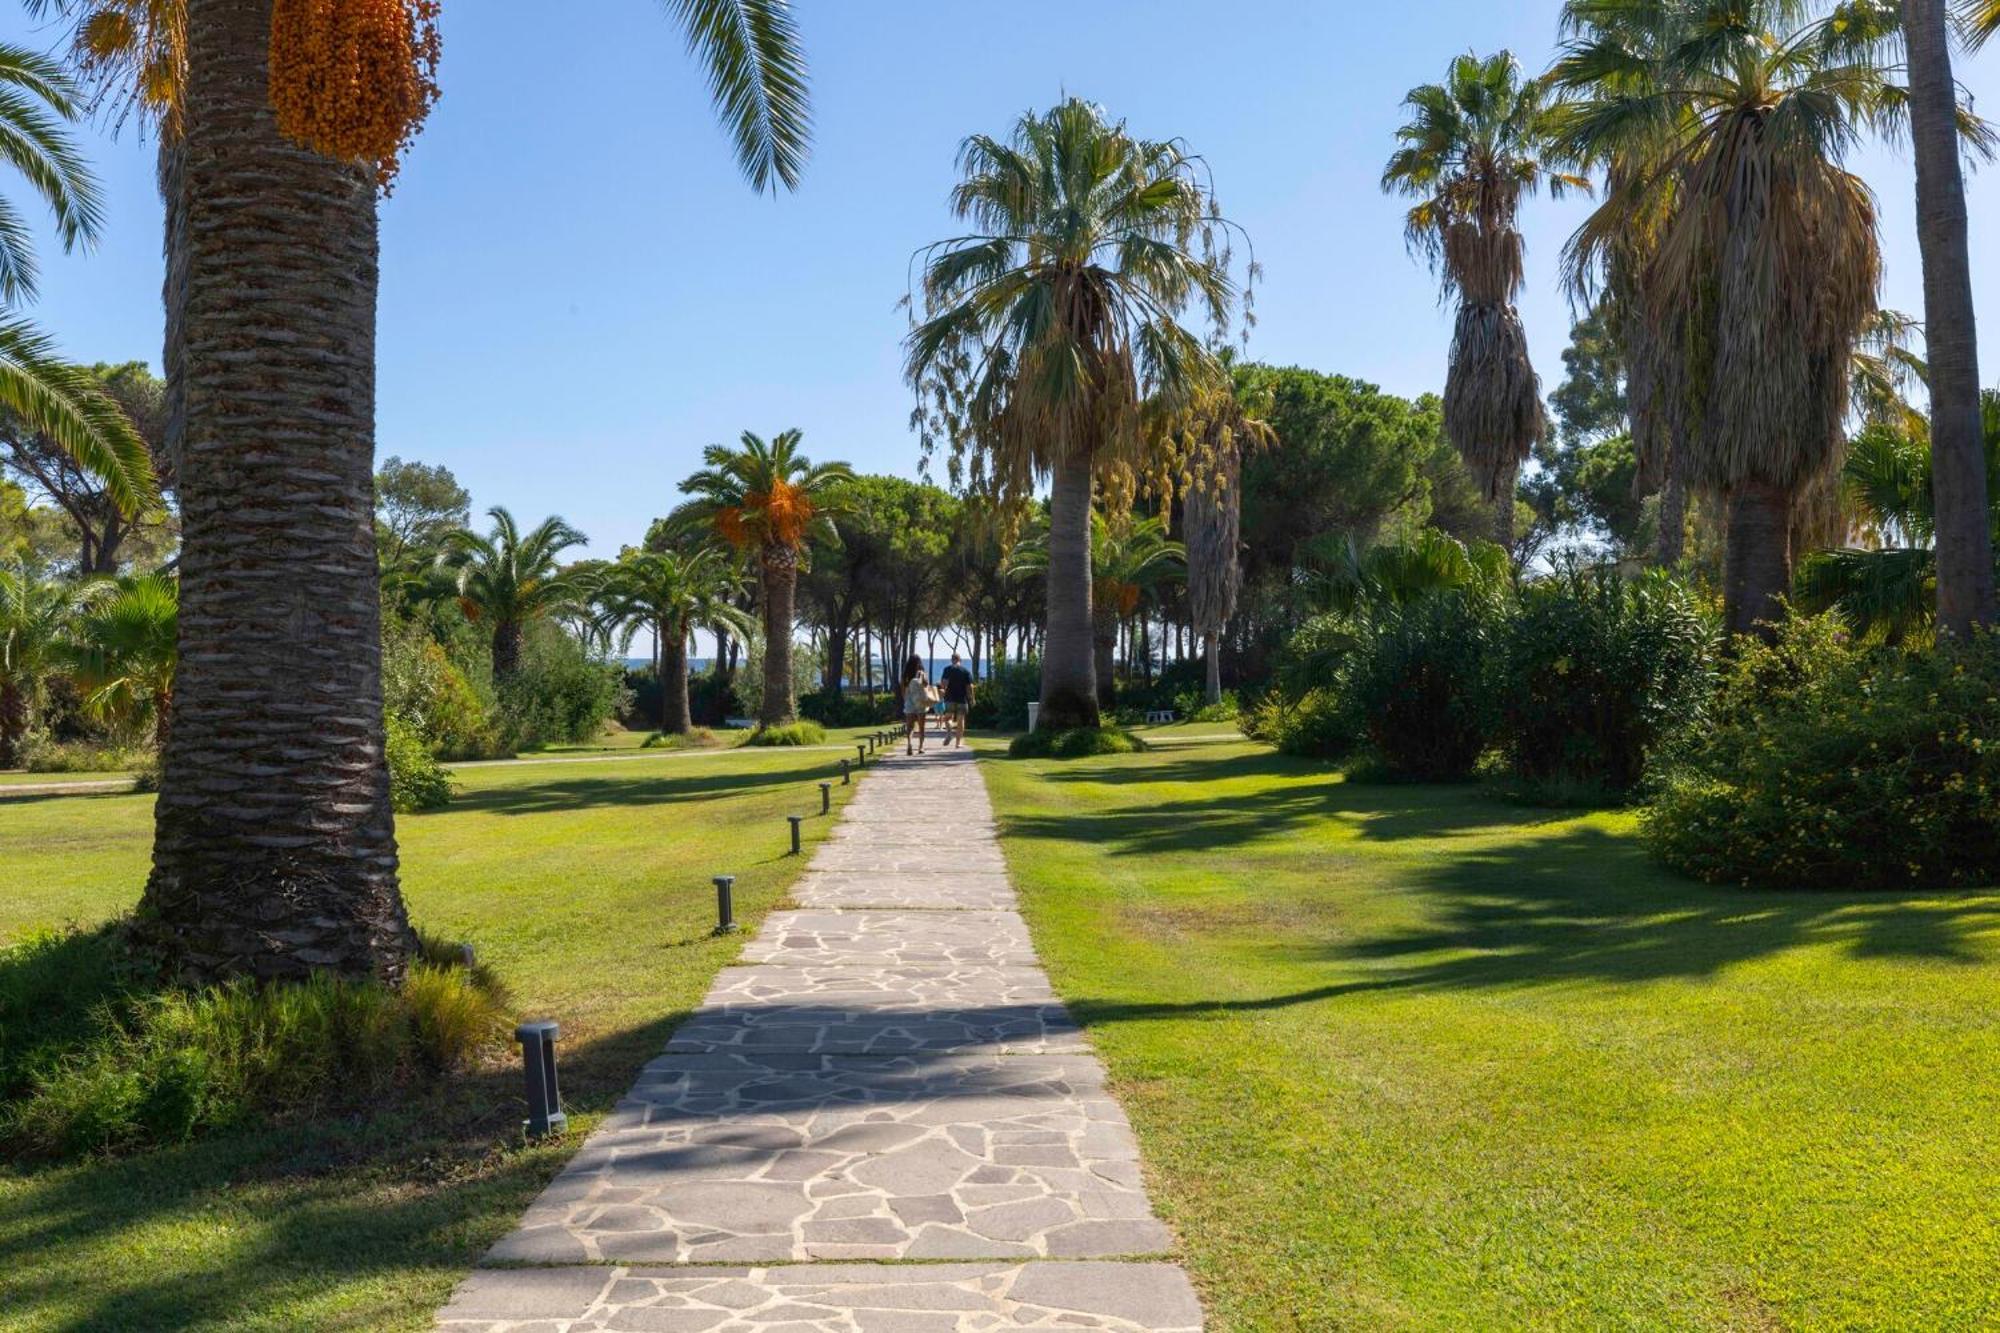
(885, 1078)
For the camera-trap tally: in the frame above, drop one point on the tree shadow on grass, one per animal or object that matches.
(569, 793)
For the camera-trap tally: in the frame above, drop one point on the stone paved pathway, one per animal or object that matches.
(885, 1078)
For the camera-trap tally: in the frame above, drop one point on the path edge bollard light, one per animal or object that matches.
(795, 821)
(826, 798)
(861, 755)
(538, 1064)
(844, 778)
(725, 904)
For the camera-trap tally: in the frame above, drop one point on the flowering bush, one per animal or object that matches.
(1824, 764)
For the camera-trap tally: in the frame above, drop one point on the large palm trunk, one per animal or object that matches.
(13, 725)
(1673, 504)
(506, 650)
(1965, 593)
(780, 577)
(1211, 648)
(275, 850)
(675, 715)
(1757, 564)
(1506, 480)
(1069, 676)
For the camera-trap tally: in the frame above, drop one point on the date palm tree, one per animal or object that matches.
(1129, 556)
(509, 579)
(64, 403)
(37, 616)
(1473, 146)
(764, 499)
(1042, 331)
(274, 849)
(1730, 120)
(673, 593)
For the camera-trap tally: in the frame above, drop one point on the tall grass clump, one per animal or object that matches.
(791, 733)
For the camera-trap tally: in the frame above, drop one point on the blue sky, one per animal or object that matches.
(579, 291)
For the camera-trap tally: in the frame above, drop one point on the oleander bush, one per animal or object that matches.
(1824, 763)
(1419, 678)
(1594, 670)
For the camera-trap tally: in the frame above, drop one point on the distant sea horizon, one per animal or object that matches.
(697, 665)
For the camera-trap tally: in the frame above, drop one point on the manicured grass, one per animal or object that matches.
(15, 777)
(1413, 1057)
(585, 885)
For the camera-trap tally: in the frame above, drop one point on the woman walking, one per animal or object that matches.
(918, 696)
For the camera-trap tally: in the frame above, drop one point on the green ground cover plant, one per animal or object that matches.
(1406, 1056)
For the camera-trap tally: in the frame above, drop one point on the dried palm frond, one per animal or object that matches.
(1492, 396)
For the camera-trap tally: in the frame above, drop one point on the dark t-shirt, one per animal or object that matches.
(957, 682)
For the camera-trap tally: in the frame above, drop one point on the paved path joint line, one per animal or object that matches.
(885, 1076)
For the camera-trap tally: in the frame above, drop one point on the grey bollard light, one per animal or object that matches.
(844, 778)
(795, 820)
(538, 1061)
(861, 755)
(826, 798)
(725, 904)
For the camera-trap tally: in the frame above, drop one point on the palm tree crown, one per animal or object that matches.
(761, 495)
(510, 578)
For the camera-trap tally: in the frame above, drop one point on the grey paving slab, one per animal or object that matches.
(831, 1298)
(888, 938)
(872, 1010)
(965, 891)
(883, 1110)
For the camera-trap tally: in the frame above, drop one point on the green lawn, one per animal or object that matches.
(1414, 1057)
(586, 885)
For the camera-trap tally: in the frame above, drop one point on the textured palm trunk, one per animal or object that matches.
(274, 850)
(506, 649)
(1504, 485)
(1757, 564)
(13, 725)
(1069, 676)
(1673, 504)
(1965, 594)
(1211, 650)
(780, 577)
(676, 716)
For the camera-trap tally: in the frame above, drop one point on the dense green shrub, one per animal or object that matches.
(1001, 701)
(1419, 678)
(87, 756)
(1594, 669)
(713, 700)
(1823, 764)
(127, 1066)
(1193, 706)
(417, 781)
(434, 697)
(845, 710)
(1318, 726)
(792, 733)
(559, 694)
(694, 738)
(1080, 743)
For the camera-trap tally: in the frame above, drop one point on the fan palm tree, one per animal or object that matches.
(765, 499)
(509, 579)
(673, 593)
(1043, 331)
(1473, 147)
(61, 401)
(274, 793)
(1729, 120)
(1223, 426)
(37, 614)
(124, 649)
(1965, 590)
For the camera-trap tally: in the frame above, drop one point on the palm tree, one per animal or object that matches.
(1043, 331)
(673, 593)
(1887, 584)
(509, 579)
(61, 401)
(274, 808)
(1473, 146)
(1965, 593)
(1223, 426)
(1729, 120)
(123, 652)
(1128, 557)
(37, 614)
(764, 499)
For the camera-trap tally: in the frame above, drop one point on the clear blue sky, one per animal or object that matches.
(579, 291)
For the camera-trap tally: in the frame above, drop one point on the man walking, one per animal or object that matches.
(956, 682)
